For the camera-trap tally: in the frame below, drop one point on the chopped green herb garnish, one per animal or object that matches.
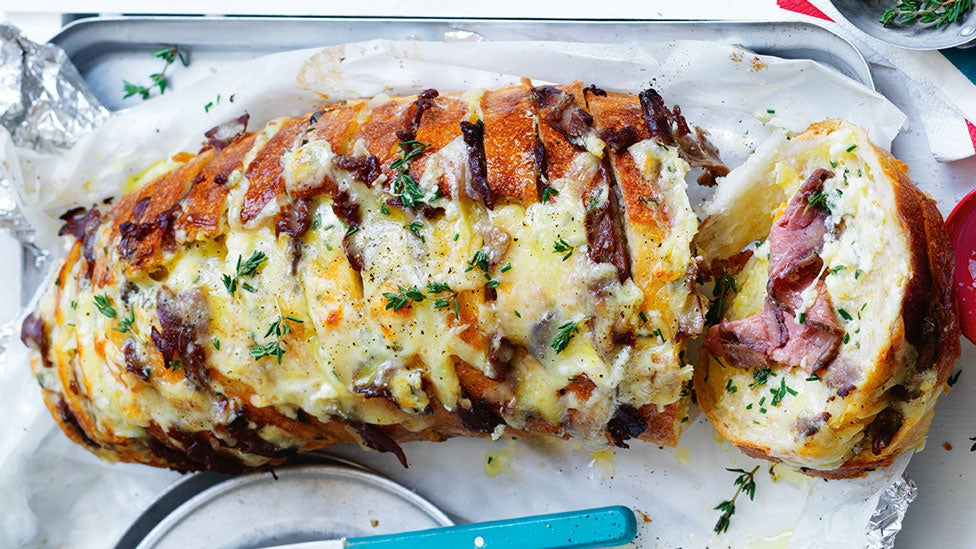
(479, 260)
(561, 246)
(216, 344)
(847, 337)
(104, 305)
(456, 236)
(384, 210)
(415, 227)
(157, 80)
(548, 191)
(851, 148)
(278, 330)
(833, 164)
(211, 104)
(442, 303)
(404, 187)
(858, 273)
(125, 322)
(492, 283)
(74, 304)
(730, 386)
(745, 482)
(837, 269)
(591, 203)
(801, 318)
(770, 111)
(174, 365)
(352, 231)
(846, 315)
(247, 268)
(818, 201)
(779, 393)
(724, 285)
(925, 12)
(566, 332)
(317, 221)
(518, 314)
(760, 376)
(657, 332)
(813, 377)
(642, 316)
(397, 301)
(438, 287)
(507, 267)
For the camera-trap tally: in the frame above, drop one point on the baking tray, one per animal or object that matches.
(110, 50)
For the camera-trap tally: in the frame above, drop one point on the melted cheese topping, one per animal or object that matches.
(347, 344)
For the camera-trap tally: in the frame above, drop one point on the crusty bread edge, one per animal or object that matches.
(930, 252)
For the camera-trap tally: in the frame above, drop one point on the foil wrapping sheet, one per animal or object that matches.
(887, 518)
(46, 107)
(44, 102)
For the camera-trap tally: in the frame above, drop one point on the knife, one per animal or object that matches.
(600, 527)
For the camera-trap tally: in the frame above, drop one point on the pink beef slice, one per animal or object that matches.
(774, 337)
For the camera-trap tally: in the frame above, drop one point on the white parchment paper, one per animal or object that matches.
(54, 492)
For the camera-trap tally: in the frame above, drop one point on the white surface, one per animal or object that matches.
(944, 513)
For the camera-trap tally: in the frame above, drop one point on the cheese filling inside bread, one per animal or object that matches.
(513, 261)
(838, 330)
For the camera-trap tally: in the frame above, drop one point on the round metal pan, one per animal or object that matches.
(295, 504)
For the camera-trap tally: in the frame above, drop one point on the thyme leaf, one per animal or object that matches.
(745, 482)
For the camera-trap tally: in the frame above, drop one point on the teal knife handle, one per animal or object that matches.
(602, 527)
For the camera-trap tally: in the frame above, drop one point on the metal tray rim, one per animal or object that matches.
(862, 68)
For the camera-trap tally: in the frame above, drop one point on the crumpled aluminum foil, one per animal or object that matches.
(46, 106)
(887, 518)
(44, 102)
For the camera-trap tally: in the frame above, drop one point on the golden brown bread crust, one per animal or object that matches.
(929, 310)
(191, 206)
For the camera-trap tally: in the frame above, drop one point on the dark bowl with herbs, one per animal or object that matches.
(914, 24)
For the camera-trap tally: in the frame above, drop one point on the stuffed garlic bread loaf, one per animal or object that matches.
(513, 261)
(836, 329)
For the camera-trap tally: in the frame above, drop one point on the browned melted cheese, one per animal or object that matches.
(356, 317)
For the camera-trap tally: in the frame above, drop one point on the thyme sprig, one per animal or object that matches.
(442, 302)
(104, 305)
(561, 246)
(168, 54)
(247, 268)
(745, 482)
(566, 332)
(404, 187)
(397, 301)
(123, 323)
(126, 322)
(278, 329)
(925, 12)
